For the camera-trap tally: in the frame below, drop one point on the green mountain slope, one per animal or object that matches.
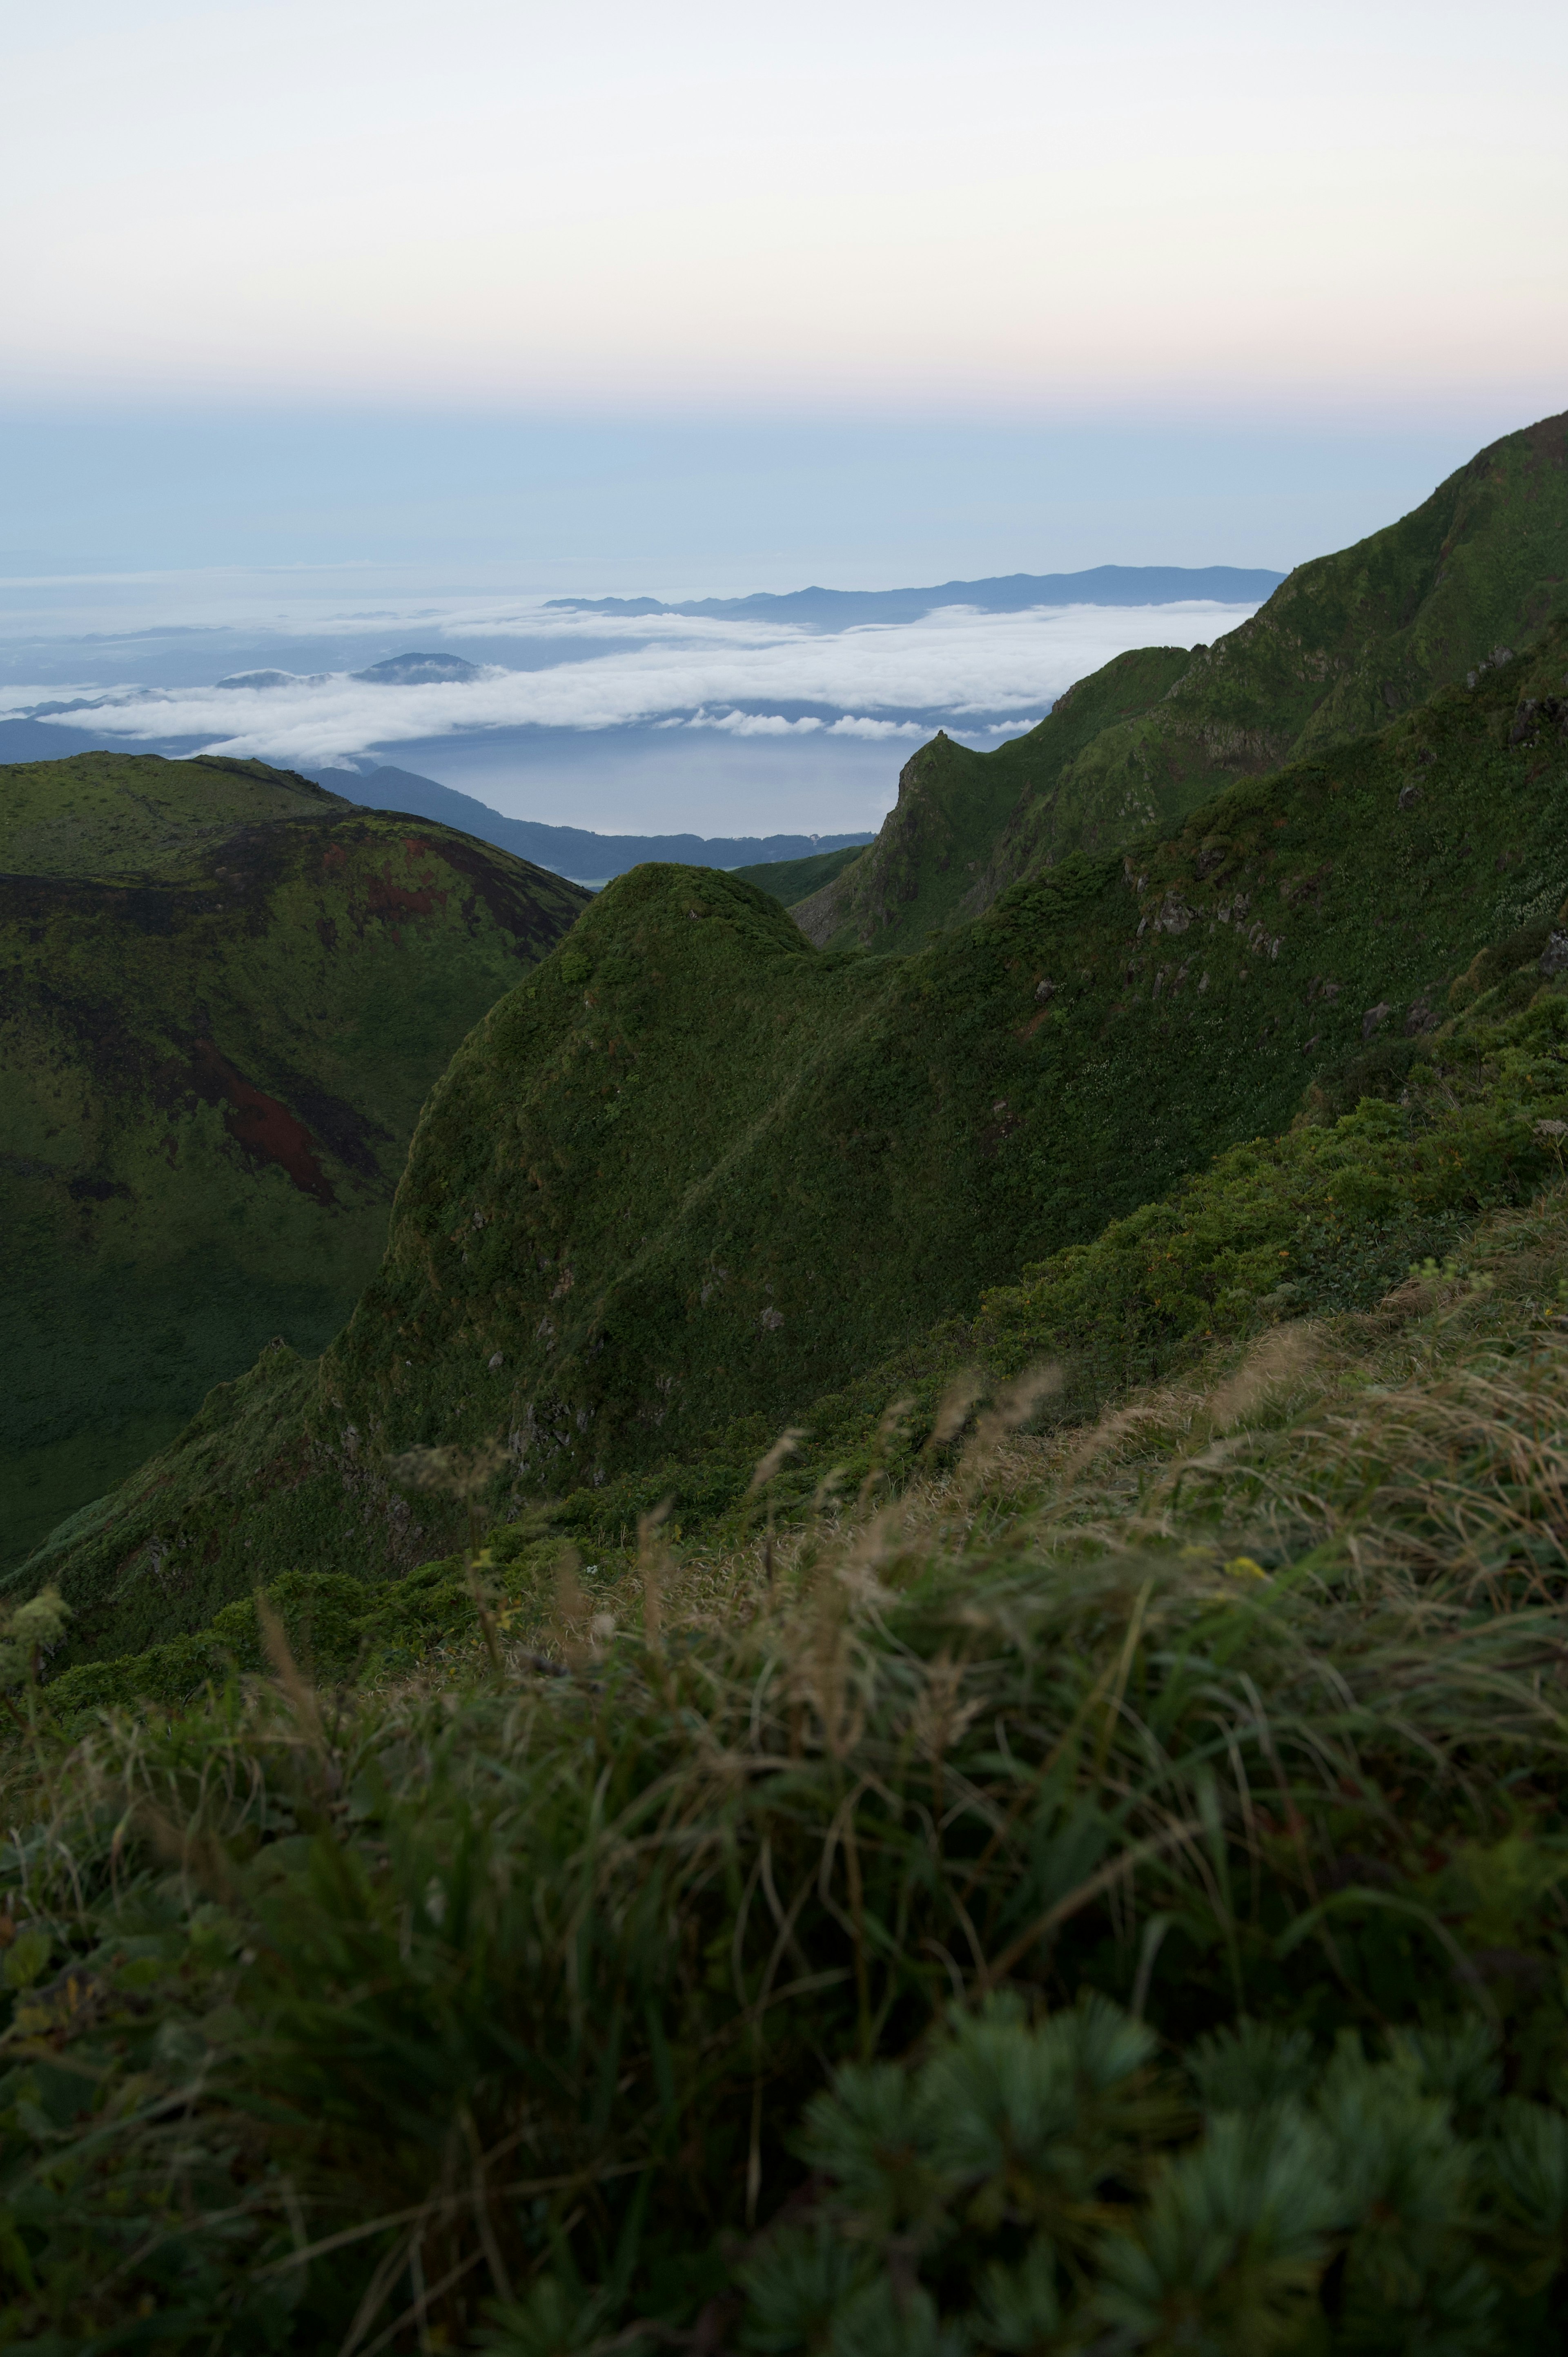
(693, 1170)
(224, 995)
(1342, 643)
(130, 814)
(790, 880)
(937, 840)
(1390, 1207)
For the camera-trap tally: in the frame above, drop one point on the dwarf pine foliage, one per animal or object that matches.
(1050, 2186)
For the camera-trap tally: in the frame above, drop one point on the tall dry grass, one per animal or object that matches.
(1249, 1698)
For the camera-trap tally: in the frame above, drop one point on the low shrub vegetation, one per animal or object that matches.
(1100, 1891)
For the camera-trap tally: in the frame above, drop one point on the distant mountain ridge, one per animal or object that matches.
(1005, 593)
(572, 851)
(415, 670)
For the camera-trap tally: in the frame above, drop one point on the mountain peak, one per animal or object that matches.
(418, 671)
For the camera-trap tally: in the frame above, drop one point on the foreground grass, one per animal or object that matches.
(1105, 1896)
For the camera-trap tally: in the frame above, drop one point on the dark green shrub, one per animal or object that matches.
(1036, 2187)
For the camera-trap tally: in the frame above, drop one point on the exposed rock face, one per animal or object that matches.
(1174, 916)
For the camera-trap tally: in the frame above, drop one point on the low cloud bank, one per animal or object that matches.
(997, 673)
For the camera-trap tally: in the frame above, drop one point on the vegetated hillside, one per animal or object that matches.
(1447, 1129)
(939, 839)
(1341, 643)
(225, 994)
(792, 880)
(128, 814)
(694, 1171)
(1109, 1897)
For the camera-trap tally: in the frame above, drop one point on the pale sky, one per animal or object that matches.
(841, 207)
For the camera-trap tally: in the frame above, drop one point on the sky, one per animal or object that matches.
(849, 206)
(319, 311)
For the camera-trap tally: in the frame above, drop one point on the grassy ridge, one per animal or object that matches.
(217, 1033)
(695, 1172)
(1346, 641)
(928, 865)
(1373, 630)
(790, 880)
(131, 813)
(1326, 1218)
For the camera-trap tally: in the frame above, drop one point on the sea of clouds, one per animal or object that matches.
(543, 675)
(678, 670)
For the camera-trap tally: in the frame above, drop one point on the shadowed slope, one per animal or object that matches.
(215, 1035)
(790, 881)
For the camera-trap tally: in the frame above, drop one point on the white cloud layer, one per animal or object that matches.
(989, 673)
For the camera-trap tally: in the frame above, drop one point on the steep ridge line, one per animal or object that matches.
(1344, 642)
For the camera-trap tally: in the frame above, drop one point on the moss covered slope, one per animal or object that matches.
(216, 1030)
(131, 813)
(1345, 641)
(693, 1171)
(790, 880)
(937, 843)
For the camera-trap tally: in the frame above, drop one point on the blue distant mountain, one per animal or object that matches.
(570, 851)
(418, 671)
(1008, 593)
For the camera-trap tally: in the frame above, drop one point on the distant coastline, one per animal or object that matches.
(574, 852)
(1005, 593)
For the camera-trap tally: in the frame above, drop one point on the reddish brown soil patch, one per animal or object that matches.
(387, 898)
(259, 1123)
(507, 897)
